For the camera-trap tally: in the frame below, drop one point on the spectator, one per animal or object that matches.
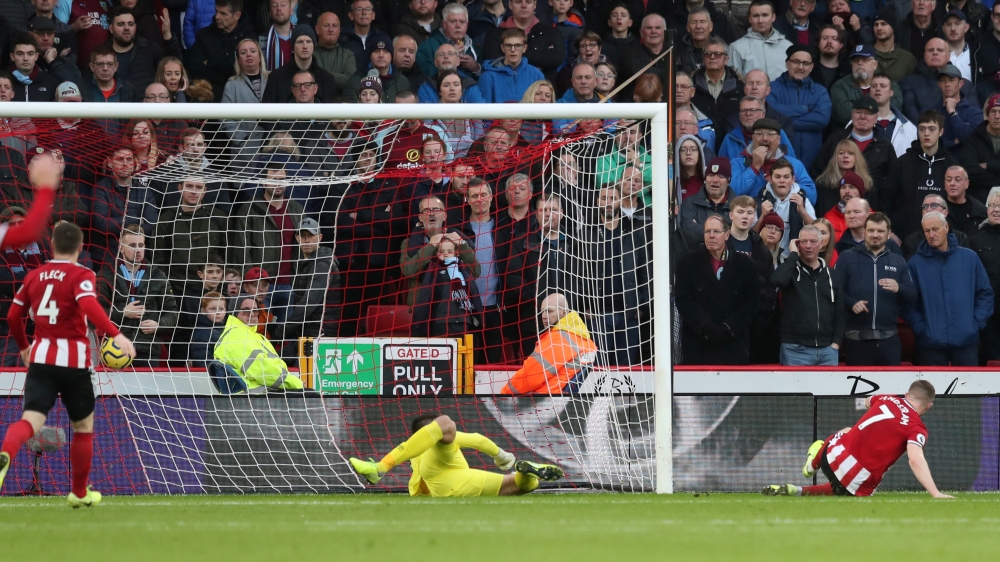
(432, 180)
(541, 91)
(980, 154)
(606, 73)
(620, 247)
(685, 92)
(586, 48)
(316, 285)
(32, 83)
(919, 26)
(481, 230)
(699, 31)
(191, 294)
(827, 241)
(648, 89)
(115, 205)
(207, 330)
(584, 82)
(356, 37)
(799, 24)
(876, 285)
(893, 59)
(421, 246)
(878, 152)
(619, 39)
(955, 298)
(954, 30)
(758, 85)
(857, 85)
(447, 303)
(764, 328)
(454, 31)
(856, 211)
(90, 22)
(186, 233)
(458, 134)
(987, 56)
(219, 50)
(15, 264)
(507, 79)
(330, 55)
(629, 150)
(831, 192)
(933, 203)
(784, 196)
(921, 91)
(963, 117)
(813, 314)
(831, 65)
(172, 75)
(138, 299)
(917, 173)
(718, 89)
(59, 63)
(713, 199)
(279, 82)
(689, 167)
(763, 47)
(404, 59)
(68, 206)
(750, 169)
(852, 186)
(806, 103)
(517, 247)
(232, 282)
(717, 294)
(420, 21)
(242, 348)
(839, 13)
(147, 21)
(985, 242)
(380, 55)
(966, 213)
(772, 230)
(199, 15)
(137, 57)
(559, 269)
(545, 47)
(891, 121)
(404, 152)
(279, 43)
(446, 58)
(140, 135)
(650, 47)
(751, 110)
(257, 284)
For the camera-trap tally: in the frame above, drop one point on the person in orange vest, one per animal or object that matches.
(562, 357)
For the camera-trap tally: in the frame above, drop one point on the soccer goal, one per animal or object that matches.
(398, 259)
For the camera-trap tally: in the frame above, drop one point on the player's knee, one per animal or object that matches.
(447, 428)
(86, 425)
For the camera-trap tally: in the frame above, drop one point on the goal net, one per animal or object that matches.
(300, 287)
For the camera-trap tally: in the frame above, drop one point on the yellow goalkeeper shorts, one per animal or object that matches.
(464, 482)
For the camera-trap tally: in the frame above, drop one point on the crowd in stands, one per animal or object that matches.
(835, 172)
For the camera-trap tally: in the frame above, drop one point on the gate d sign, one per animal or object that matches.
(348, 367)
(419, 370)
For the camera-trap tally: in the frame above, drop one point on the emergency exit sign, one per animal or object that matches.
(386, 366)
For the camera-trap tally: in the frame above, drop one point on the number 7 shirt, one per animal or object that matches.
(61, 296)
(862, 456)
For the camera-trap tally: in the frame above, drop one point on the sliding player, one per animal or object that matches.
(855, 459)
(61, 297)
(440, 468)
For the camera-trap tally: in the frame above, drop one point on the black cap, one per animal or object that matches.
(40, 24)
(765, 123)
(866, 103)
(950, 70)
(955, 12)
(888, 15)
(799, 49)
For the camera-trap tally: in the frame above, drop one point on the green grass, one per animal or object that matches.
(537, 528)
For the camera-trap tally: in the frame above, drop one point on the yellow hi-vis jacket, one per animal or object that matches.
(561, 354)
(254, 358)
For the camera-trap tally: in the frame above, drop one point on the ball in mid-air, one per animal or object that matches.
(114, 357)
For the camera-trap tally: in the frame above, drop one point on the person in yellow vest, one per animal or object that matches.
(251, 354)
(563, 355)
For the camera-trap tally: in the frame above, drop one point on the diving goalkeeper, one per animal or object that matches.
(440, 468)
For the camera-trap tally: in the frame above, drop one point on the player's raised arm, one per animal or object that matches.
(918, 464)
(45, 177)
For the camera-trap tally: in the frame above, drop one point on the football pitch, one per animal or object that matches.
(542, 527)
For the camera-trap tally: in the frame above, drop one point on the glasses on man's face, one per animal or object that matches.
(303, 85)
(606, 75)
(157, 97)
(764, 134)
(927, 206)
(363, 10)
(688, 150)
(750, 111)
(589, 45)
(713, 54)
(513, 46)
(992, 206)
(435, 211)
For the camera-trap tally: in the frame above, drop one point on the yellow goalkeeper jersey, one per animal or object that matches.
(441, 460)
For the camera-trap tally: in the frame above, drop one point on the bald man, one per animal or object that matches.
(921, 90)
(563, 356)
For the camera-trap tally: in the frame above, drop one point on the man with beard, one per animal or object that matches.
(830, 66)
(137, 57)
(858, 84)
(753, 166)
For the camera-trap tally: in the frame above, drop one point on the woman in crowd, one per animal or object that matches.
(458, 134)
(689, 167)
(140, 135)
(827, 241)
(172, 74)
(648, 89)
(847, 157)
(541, 91)
(247, 85)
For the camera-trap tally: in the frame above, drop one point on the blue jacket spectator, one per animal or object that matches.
(199, 14)
(734, 143)
(428, 92)
(501, 83)
(808, 105)
(959, 126)
(858, 272)
(956, 298)
(206, 334)
(747, 180)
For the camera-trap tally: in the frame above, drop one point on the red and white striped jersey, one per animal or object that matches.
(51, 293)
(862, 456)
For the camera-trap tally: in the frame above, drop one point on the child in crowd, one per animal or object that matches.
(447, 302)
(208, 329)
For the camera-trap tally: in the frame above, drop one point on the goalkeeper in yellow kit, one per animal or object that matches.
(440, 469)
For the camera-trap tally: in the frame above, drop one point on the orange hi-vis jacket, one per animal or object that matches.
(561, 354)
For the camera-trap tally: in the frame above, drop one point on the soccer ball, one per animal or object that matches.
(113, 356)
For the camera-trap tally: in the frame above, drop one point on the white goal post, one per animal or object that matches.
(660, 148)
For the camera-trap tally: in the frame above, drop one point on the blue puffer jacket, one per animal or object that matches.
(808, 105)
(199, 14)
(748, 181)
(501, 83)
(955, 299)
(858, 271)
(733, 144)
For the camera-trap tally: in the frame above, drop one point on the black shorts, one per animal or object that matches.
(838, 488)
(45, 382)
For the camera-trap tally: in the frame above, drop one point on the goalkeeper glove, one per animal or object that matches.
(504, 460)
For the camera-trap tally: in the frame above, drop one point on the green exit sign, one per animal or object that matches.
(345, 366)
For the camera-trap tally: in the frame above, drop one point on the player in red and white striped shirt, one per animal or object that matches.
(60, 296)
(855, 459)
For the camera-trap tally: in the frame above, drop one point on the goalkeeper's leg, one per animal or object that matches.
(440, 430)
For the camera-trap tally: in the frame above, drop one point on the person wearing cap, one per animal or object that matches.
(279, 82)
(954, 29)
(805, 102)
(31, 83)
(921, 91)
(213, 54)
(56, 52)
(900, 131)
(851, 186)
(763, 47)
(712, 199)
(752, 168)
(379, 53)
(717, 293)
(330, 54)
(356, 37)
(876, 286)
(858, 84)
(316, 299)
(876, 148)
(976, 13)
(962, 116)
(137, 56)
(893, 60)
(771, 228)
(980, 154)
(507, 78)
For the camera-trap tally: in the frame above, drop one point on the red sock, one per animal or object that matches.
(819, 458)
(17, 435)
(81, 451)
(820, 490)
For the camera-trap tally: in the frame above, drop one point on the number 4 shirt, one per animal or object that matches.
(861, 457)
